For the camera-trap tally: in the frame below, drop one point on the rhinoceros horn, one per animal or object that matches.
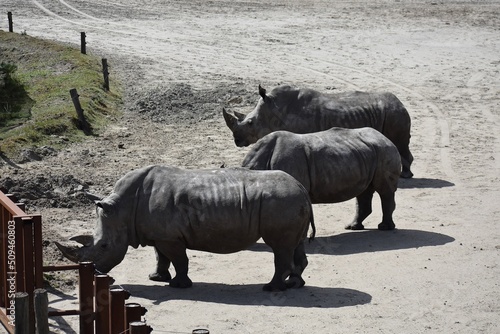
(72, 254)
(231, 121)
(85, 240)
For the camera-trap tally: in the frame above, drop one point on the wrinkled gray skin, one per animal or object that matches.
(214, 210)
(306, 110)
(334, 166)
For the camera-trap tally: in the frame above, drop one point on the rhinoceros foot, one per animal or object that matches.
(386, 226)
(354, 226)
(407, 174)
(294, 282)
(181, 282)
(271, 286)
(160, 277)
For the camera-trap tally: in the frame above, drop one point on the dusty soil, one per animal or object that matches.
(182, 61)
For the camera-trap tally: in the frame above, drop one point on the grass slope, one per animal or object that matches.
(45, 73)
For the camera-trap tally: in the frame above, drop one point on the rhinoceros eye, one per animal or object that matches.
(104, 246)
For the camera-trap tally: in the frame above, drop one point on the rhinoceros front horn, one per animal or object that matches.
(71, 254)
(231, 121)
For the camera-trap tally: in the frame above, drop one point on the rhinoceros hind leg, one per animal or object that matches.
(273, 286)
(386, 226)
(388, 207)
(283, 264)
(181, 282)
(406, 160)
(295, 281)
(406, 173)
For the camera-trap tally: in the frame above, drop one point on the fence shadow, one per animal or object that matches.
(252, 294)
(375, 241)
(416, 182)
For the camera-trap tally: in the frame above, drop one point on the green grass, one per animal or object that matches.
(41, 110)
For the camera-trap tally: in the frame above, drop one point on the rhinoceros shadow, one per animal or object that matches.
(355, 242)
(416, 182)
(368, 240)
(252, 294)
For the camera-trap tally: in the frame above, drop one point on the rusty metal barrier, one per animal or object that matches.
(102, 309)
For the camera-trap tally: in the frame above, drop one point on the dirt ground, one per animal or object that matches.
(182, 61)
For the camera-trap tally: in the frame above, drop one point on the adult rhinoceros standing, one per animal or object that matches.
(306, 110)
(219, 210)
(334, 166)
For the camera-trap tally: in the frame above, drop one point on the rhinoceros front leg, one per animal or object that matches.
(363, 209)
(176, 252)
(388, 207)
(162, 264)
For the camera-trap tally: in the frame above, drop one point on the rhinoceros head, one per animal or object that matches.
(264, 119)
(107, 247)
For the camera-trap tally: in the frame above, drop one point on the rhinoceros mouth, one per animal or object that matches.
(241, 143)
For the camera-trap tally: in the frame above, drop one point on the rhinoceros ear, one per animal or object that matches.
(106, 207)
(93, 197)
(262, 92)
(239, 115)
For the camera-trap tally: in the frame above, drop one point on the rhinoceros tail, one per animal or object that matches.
(313, 233)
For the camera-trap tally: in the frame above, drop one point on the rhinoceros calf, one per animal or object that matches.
(334, 166)
(306, 110)
(213, 210)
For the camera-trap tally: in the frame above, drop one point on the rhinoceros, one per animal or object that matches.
(214, 210)
(302, 110)
(334, 166)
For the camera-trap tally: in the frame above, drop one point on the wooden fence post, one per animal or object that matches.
(83, 124)
(105, 73)
(41, 311)
(22, 313)
(83, 47)
(102, 303)
(139, 327)
(118, 296)
(133, 313)
(86, 285)
(9, 17)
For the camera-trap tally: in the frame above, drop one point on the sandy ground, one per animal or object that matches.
(438, 272)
